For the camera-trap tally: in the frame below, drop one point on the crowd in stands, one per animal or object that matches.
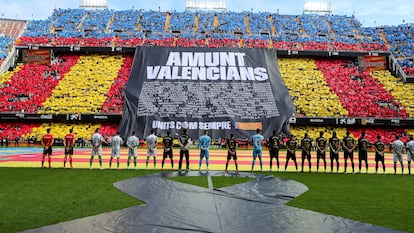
(11, 131)
(84, 88)
(358, 91)
(114, 101)
(29, 87)
(83, 131)
(5, 43)
(103, 27)
(402, 92)
(81, 27)
(32, 132)
(6, 76)
(94, 83)
(10, 30)
(401, 41)
(308, 89)
(330, 88)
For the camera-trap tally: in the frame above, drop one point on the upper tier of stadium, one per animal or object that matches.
(332, 87)
(130, 28)
(122, 28)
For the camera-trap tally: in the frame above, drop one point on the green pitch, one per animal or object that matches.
(32, 197)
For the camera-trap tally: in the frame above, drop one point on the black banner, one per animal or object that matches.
(222, 90)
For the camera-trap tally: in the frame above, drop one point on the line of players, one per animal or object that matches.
(334, 144)
(321, 144)
(151, 142)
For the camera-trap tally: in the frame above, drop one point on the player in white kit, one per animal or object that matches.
(116, 143)
(410, 152)
(151, 142)
(132, 143)
(96, 141)
(398, 148)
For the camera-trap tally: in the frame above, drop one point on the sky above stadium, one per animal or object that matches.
(368, 12)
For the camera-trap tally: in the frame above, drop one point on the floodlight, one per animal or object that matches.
(93, 4)
(317, 7)
(206, 5)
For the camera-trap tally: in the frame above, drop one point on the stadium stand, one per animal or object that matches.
(114, 98)
(359, 93)
(206, 21)
(94, 83)
(10, 30)
(403, 92)
(5, 43)
(82, 131)
(387, 135)
(401, 44)
(309, 90)
(5, 77)
(13, 130)
(84, 87)
(259, 23)
(80, 27)
(313, 132)
(183, 23)
(32, 84)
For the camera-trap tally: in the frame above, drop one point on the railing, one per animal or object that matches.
(9, 61)
(395, 67)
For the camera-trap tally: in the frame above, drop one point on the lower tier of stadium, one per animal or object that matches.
(93, 84)
(31, 157)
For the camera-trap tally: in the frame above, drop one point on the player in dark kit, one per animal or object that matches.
(47, 143)
(306, 144)
(231, 144)
(168, 143)
(349, 145)
(274, 146)
(291, 146)
(321, 144)
(379, 154)
(363, 152)
(334, 146)
(69, 143)
(184, 141)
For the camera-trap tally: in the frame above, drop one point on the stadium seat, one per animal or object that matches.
(403, 92)
(114, 97)
(94, 84)
(387, 135)
(59, 130)
(32, 84)
(80, 27)
(307, 86)
(401, 42)
(84, 87)
(352, 86)
(16, 129)
(6, 76)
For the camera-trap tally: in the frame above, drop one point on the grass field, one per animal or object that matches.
(32, 197)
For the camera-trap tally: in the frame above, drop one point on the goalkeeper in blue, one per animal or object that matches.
(204, 143)
(257, 141)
